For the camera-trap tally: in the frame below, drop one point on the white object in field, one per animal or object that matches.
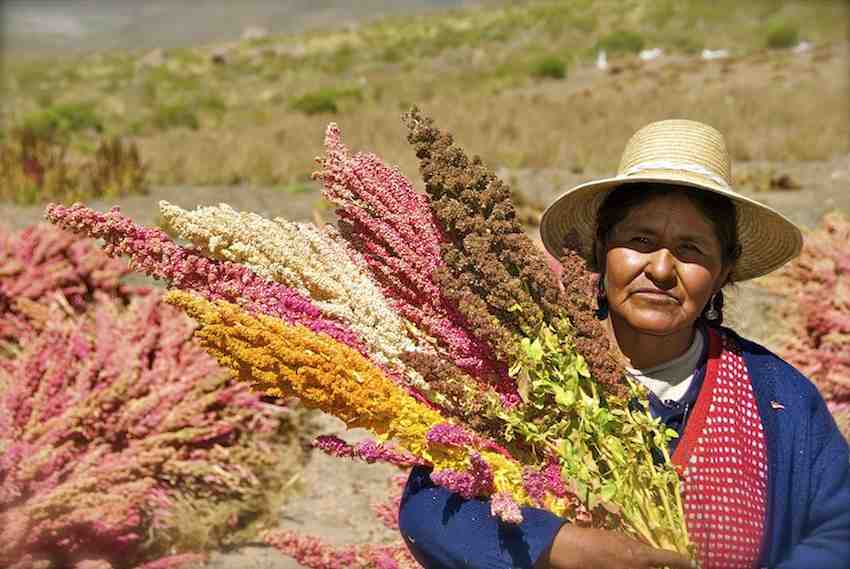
(650, 54)
(219, 55)
(153, 58)
(601, 60)
(802, 47)
(254, 33)
(710, 54)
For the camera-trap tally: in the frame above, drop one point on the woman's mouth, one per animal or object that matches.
(655, 296)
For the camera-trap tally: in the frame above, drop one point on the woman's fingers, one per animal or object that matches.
(586, 548)
(658, 558)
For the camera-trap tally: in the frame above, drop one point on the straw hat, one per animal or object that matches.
(689, 154)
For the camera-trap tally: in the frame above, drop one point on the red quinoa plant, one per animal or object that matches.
(816, 287)
(122, 442)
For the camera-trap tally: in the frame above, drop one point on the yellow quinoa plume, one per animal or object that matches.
(283, 359)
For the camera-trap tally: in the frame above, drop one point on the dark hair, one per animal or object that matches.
(718, 210)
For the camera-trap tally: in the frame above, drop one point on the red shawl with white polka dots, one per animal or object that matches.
(723, 460)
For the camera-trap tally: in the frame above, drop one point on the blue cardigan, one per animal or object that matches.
(808, 509)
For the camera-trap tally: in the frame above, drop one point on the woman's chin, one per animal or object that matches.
(653, 322)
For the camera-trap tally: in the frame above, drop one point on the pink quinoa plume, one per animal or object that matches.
(393, 228)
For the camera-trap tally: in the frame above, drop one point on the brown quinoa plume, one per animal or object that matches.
(465, 398)
(495, 274)
(590, 337)
(492, 267)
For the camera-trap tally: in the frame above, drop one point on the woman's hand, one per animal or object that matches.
(586, 548)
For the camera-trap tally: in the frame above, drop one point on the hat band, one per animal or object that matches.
(681, 166)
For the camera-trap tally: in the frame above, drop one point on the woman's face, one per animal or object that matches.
(662, 264)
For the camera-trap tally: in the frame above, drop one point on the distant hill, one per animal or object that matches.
(41, 27)
(518, 80)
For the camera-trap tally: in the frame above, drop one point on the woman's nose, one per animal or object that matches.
(661, 269)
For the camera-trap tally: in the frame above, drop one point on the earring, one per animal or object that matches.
(712, 313)
(601, 299)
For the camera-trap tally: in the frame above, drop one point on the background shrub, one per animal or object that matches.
(621, 41)
(63, 118)
(781, 34)
(175, 115)
(323, 101)
(212, 103)
(549, 67)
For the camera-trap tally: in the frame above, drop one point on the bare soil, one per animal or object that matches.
(333, 501)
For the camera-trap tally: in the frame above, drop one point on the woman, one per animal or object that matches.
(765, 471)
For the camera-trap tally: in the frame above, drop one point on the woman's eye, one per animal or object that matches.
(640, 239)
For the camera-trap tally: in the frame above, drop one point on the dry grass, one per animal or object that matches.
(560, 125)
(477, 71)
(37, 168)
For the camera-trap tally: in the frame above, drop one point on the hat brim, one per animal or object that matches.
(768, 239)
